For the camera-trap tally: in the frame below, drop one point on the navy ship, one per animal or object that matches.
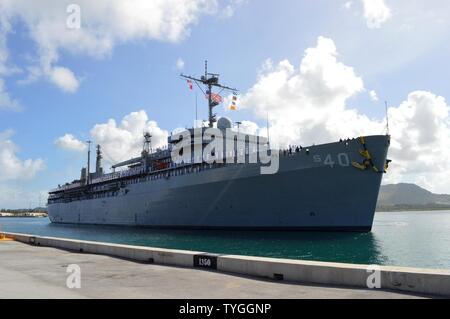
(328, 187)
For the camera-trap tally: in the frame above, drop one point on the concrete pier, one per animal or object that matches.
(35, 267)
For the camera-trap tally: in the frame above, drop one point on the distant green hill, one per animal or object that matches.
(410, 197)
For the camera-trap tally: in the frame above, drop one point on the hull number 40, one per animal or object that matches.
(341, 159)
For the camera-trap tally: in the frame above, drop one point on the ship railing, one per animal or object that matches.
(118, 175)
(174, 169)
(66, 187)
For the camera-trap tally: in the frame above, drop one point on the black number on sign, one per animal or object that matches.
(209, 262)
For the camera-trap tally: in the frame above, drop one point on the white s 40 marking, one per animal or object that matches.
(341, 159)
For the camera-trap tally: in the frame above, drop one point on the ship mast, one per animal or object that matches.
(210, 81)
(147, 142)
(89, 163)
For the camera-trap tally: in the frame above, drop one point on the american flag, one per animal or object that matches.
(215, 98)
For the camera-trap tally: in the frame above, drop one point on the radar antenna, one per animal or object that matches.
(210, 81)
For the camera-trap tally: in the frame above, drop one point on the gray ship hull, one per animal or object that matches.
(316, 190)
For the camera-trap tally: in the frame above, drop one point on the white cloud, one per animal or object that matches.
(64, 79)
(376, 13)
(348, 5)
(179, 64)
(309, 104)
(5, 28)
(6, 102)
(420, 127)
(124, 141)
(300, 100)
(12, 167)
(373, 95)
(104, 24)
(69, 142)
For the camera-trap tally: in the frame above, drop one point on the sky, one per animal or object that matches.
(72, 71)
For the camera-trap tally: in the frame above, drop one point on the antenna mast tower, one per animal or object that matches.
(210, 81)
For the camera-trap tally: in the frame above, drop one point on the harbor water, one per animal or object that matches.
(410, 239)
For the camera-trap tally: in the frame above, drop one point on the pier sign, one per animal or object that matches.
(203, 261)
